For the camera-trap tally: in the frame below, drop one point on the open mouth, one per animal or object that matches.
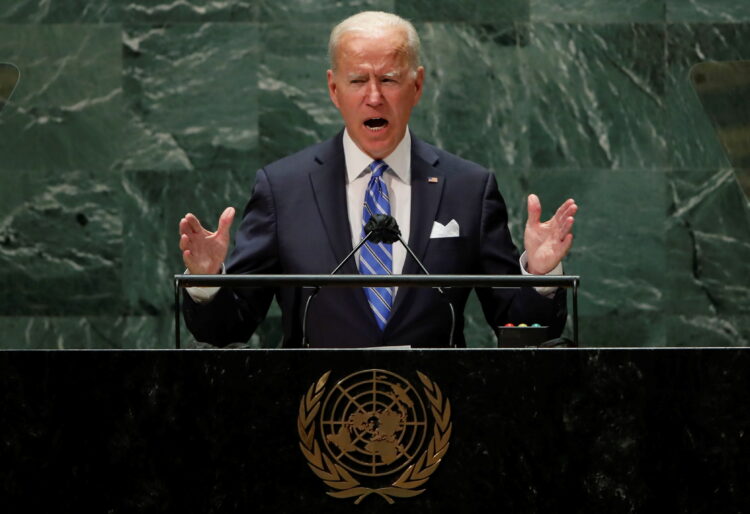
(376, 124)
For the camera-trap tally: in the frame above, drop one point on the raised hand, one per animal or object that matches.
(203, 251)
(546, 243)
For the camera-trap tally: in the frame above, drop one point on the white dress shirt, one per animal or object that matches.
(398, 180)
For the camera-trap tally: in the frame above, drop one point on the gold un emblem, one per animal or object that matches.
(367, 435)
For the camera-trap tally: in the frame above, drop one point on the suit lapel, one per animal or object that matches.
(328, 181)
(425, 199)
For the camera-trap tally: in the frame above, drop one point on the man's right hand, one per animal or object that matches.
(202, 251)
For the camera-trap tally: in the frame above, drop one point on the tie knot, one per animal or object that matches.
(378, 168)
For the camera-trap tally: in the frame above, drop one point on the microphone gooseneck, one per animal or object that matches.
(316, 290)
(439, 289)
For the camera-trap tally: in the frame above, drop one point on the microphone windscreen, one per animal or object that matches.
(383, 227)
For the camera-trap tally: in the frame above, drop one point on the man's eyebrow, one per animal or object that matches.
(390, 75)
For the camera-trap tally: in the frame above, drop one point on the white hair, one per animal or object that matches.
(368, 21)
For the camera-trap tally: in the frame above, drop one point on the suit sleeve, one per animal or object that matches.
(499, 256)
(234, 314)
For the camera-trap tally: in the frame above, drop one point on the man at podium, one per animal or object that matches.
(308, 211)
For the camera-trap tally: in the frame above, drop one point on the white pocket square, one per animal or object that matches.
(450, 229)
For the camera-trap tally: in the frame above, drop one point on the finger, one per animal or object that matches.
(184, 242)
(562, 211)
(534, 207)
(185, 227)
(562, 228)
(193, 223)
(563, 220)
(187, 259)
(571, 210)
(567, 242)
(225, 221)
(566, 228)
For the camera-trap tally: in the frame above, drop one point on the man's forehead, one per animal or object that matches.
(365, 51)
(388, 44)
(363, 63)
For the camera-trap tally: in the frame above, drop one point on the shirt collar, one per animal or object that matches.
(357, 161)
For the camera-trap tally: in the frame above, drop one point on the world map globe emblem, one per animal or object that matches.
(373, 422)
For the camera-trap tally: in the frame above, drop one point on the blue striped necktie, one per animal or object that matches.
(377, 258)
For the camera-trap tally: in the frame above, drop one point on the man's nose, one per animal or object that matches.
(374, 95)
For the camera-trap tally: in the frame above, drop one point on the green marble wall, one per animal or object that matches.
(129, 114)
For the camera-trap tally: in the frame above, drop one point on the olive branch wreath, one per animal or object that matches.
(337, 477)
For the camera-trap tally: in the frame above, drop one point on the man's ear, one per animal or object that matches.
(332, 88)
(418, 84)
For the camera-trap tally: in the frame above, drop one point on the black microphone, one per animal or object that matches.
(384, 229)
(381, 228)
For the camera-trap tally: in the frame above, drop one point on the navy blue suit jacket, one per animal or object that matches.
(297, 222)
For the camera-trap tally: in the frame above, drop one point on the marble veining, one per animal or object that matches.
(129, 114)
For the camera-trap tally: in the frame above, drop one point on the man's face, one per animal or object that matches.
(374, 89)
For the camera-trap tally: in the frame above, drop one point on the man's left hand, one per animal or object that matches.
(546, 243)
